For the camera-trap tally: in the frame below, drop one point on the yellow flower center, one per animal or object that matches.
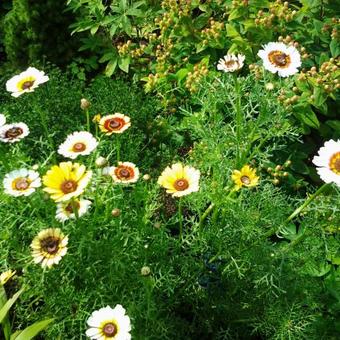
(334, 163)
(22, 184)
(79, 147)
(181, 184)
(68, 186)
(13, 132)
(26, 83)
(50, 244)
(279, 59)
(245, 180)
(110, 330)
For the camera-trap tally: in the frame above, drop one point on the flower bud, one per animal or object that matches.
(115, 212)
(146, 177)
(145, 271)
(84, 104)
(101, 162)
(35, 167)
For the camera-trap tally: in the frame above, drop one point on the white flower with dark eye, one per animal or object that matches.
(78, 143)
(280, 58)
(21, 182)
(125, 172)
(231, 63)
(65, 210)
(107, 323)
(26, 81)
(11, 133)
(328, 162)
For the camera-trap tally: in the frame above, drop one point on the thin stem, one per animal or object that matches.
(238, 119)
(75, 208)
(205, 214)
(87, 119)
(180, 219)
(118, 148)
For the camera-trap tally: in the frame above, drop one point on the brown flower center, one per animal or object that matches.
(124, 172)
(13, 132)
(181, 184)
(69, 207)
(79, 147)
(68, 186)
(22, 183)
(50, 244)
(231, 63)
(27, 84)
(245, 180)
(114, 124)
(279, 59)
(334, 163)
(110, 330)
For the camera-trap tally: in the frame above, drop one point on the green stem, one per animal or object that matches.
(238, 119)
(118, 149)
(87, 120)
(75, 208)
(6, 325)
(180, 219)
(205, 214)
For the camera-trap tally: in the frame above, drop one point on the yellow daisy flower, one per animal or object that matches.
(5, 276)
(66, 180)
(49, 246)
(116, 123)
(246, 177)
(179, 180)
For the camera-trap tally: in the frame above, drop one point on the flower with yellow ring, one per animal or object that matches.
(179, 180)
(66, 180)
(246, 177)
(26, 81)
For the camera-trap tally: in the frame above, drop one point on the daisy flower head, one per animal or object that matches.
(26, 81)
(116, 123)
(107, 323)
(21, 182)
(7, 275)
(80, 143)
(65, 209)
(231, 63)
(328, 162)
(2, 119)
(49, 246)
(280, 58)
(11, 133)
(246, 177)
(179, 180)
(125, 172)
(66, 180)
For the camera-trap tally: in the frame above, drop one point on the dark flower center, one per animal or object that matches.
(181, 184)
(79, 147)
(114, 124)
(279, 59)
(50, 245)
(69, 207)
(245, 180)
(27, 84)
(22, 184)
(13, 132)
(110, 330)
(68, 186)
(334, 163)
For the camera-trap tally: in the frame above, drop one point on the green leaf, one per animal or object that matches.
(124, 63)
(231, 31)
(31, 331)
(335, 48)
(94, 29)
(307, 116)
(10, 302)
(201, 21)
(111, 67)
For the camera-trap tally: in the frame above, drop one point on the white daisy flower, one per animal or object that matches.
(125, 172)
(26, 81)
(78, 143)
(65, 209)
(280, 58)
(231, 63)
(11, 133)
(107, 170)
(2, 119)
(21, 182)
(107, 323)
(328, 162)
